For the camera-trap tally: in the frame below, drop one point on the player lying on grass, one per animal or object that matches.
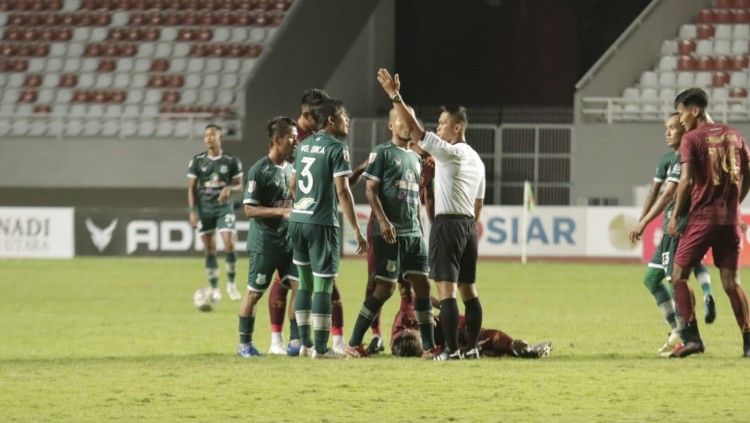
(406, 341)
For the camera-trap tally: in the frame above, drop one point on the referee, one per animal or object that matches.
(459, 195)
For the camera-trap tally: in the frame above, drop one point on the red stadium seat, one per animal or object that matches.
(705, 31)
(254, 50)
(741, 4)
(159, 65)
(175, 81)
(64, 34)
(27, 96)
(706, 16)
(32, 81)
(42, 109)
(107, 65)
(722, 63)
(720, 79)
(722, 16)
(156, 81)
(118, 96)
(68, 80)
(739, 62)
(151, 34)
(80, 96)
(170, 97)
(686, 63)
(741, 16)
(723, 4)
(738, 92)
(205, 35)
(705, 63)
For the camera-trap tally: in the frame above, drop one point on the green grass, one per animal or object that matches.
(119, 340)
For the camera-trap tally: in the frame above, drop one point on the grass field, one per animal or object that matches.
(119, 340)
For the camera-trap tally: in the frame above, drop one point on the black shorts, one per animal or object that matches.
(453, 249)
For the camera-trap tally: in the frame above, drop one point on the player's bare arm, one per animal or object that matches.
(254, 211)
(683, 190)
(387, 230)
(346, 201)
(192, 205)
(651, 197)
(227, 191)
(657, 208)
(478, 203)
(357, 172)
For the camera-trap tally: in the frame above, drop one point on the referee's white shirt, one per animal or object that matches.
(459, 175)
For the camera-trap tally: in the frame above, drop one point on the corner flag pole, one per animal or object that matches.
(528, 204)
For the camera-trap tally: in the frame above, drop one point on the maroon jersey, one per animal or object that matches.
(405, 318)
(425, 179)
(716, 153)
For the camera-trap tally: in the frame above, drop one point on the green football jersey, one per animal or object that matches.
(398, 171)
(319, 159)
(673, 175)
(268, 185)
(213, 174)
(664, 166)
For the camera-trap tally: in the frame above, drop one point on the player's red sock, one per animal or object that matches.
(495, 343)
(337, 313)
(277, 305)
(738, 299)
(683, 299)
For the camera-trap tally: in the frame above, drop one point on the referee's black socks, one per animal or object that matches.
(473, 321)
(449, 322)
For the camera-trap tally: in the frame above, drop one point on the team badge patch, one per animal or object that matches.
(346, 155)
(260, 280)
(223, 169)
(251, 186)
(390, 266)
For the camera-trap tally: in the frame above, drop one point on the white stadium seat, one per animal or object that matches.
(648, 93)
(688, 32)
(704, 48)
(738, 79)
(722, 31)
(685, 79)
(702, 79)
(181, 50)
(739, 47)
(667, 79)
(667, 94)
(722, 47)
(668, 48)
(668, 63)
(741, 32)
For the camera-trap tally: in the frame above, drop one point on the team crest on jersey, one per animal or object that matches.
(409, 175)
(223, 169)
(250, 186)
(260, 280)
(390, 266)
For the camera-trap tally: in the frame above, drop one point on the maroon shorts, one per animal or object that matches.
(724, 241)
(370, 249)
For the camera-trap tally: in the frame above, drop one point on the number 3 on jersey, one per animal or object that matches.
(306, 184)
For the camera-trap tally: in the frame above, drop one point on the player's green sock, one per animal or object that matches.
(426, 321)
(303, 304)
(212, 271)
(231, 266)
(653, 282)
(247, 324)
(321, 312)
(365, 317)
(704, 278)
(293, 330)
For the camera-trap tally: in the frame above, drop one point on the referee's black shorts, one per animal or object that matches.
(453, 249)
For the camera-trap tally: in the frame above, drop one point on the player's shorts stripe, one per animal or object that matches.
(325, 275)
(302, 211)
(289, 278)
(673, 180)
(369, 176)
(658, 180)
(383, 278)
(227, 230)
(301, 263)
(656, 266)
(210, 231)
(342, 173)
(190, 175)
(251, 201)
(416, 272)
(249, 288)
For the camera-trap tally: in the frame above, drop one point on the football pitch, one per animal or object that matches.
(119, 340)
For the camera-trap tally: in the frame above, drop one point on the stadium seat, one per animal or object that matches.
(722, 47)
(720, 79)
(704, 48)
(668, 63)
(703, 79)
(668, 48)
(705, 63)
(741, 32)
(738, 92)
(739, 47)
(739, 62)
(738, 79)
(667, 94)
(722, 63)
(704, 31)
(723, 31)
(685, 63)
(666, 79)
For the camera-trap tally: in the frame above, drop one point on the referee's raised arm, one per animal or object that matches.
(391, 85)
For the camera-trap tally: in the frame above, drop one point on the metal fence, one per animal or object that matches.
(512, 153)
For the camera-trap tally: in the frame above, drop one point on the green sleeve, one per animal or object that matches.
(374, 170)
(253, 187)
(341, 164)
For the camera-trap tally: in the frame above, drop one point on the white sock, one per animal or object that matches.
(338, 340)
(277, 338)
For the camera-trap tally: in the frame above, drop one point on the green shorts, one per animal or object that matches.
(316, 245)
(263, 266)
(663, 257)
(407, 256)
(221, 218)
